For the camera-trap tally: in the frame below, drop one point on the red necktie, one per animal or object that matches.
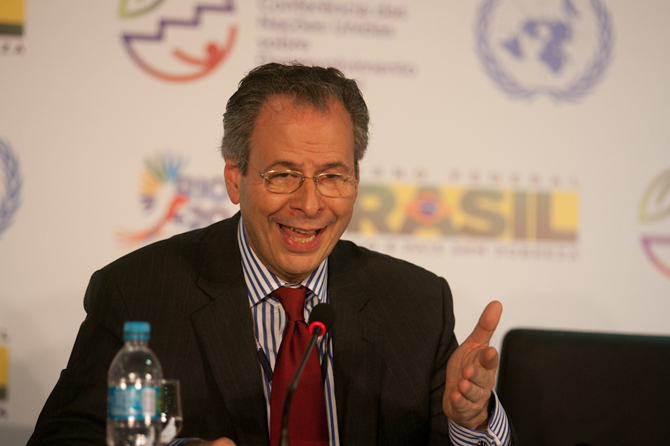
(307, 418)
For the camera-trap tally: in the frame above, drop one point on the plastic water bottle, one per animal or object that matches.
(133, 412)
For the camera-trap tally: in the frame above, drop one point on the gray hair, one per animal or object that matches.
(313, 86)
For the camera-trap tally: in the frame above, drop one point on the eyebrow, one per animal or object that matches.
(293, 166)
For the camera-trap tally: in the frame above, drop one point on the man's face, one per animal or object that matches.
(293, 233)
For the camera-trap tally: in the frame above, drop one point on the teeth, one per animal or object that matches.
(302, 231)
(303, 240)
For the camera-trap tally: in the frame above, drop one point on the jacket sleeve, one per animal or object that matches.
(76, 411)
(439, 432)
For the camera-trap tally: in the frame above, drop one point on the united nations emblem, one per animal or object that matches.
(558, 48)
(11, 186)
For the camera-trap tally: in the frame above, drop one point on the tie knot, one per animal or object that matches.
(293, 301)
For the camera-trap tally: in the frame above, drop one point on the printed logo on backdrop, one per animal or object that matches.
(4, 372)
(178, 41)
(12, 27)
(174, 199)
(10, 188)
(360, 38)
(474, 214)
(558, 48)
(654, 214)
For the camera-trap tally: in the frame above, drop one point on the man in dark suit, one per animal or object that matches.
(392, 368)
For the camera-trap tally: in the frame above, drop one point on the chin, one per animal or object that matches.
(299, 269)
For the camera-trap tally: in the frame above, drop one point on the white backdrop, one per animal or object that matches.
(495, 124)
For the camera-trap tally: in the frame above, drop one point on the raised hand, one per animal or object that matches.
(219, 442)
(471, 373)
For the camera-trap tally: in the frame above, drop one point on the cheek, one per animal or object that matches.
(344, 210)
(261, 203)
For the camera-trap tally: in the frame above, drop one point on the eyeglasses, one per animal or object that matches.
(334, 185)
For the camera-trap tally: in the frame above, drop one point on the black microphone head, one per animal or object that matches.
(324, 314)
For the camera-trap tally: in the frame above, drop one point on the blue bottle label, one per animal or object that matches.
(130, 402)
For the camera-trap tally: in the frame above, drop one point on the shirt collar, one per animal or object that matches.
(261, 281)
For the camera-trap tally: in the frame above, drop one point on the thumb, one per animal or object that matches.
(488, 322)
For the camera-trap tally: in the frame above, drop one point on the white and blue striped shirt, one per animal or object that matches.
(270, 320)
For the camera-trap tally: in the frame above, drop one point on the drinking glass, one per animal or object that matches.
(171, 416)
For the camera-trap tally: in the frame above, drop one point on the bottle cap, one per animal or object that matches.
(136, 330)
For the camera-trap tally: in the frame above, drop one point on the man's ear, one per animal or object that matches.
(233, 177)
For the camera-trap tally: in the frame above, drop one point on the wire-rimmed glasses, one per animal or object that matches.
(329, 184)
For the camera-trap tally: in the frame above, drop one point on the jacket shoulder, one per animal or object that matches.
(350, 257)
(191, 246)
(165, 267)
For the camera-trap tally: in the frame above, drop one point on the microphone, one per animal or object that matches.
(320, 320)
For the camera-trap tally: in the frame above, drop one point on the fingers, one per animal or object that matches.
(478, 380)
(219, 442)
(487, 324)
(478, 386)
(461, 403)
(489, 359)
(458, 402)
(223, 442)
(484, 368)
(466, 413)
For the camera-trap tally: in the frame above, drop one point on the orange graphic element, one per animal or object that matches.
(652, 244)
(130, 238)
(214, 55)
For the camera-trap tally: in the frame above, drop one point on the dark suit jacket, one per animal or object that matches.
(392, 337)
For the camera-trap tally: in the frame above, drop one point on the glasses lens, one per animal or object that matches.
(335, 185)
(283, 182)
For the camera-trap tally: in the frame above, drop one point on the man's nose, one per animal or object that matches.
(308, 198)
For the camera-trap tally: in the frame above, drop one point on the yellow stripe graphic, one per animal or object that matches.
(11, 12)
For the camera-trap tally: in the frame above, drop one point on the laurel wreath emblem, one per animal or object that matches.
(575, 90)
(12, 186)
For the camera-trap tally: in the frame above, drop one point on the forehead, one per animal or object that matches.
(286, 107)
(287, 128)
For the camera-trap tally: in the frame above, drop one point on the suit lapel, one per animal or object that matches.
(224, 328)
(357, 348)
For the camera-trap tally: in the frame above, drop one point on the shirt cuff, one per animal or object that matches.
(497, 433)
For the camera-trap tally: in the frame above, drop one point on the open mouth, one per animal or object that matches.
(300, 235)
